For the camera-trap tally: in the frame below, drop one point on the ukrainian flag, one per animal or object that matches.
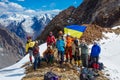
(74, 30)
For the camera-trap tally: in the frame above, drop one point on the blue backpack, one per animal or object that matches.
(101, 66)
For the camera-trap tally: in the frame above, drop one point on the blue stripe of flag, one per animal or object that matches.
(77, 28)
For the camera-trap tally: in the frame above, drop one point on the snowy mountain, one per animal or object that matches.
(24, 24)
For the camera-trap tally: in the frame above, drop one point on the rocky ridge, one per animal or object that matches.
(11, 48)
(102, 13)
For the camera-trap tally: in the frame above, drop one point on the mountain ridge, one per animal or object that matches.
(104, 13)
(24, 25)
(11, 48)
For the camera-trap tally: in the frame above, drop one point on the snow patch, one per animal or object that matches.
(116, 27)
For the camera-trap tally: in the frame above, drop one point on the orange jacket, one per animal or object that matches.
(69, 41)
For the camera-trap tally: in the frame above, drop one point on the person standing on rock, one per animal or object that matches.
(60, 34)
(84, 53)
(76, 52)
(29, 47)
(60, 44)
(95, 51)
(51, 40)
(69, 41)
(36, 55)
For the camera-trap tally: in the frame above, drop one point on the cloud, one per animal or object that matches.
(55, 11)
(10, 7)
(15, 5)
(30, 11)
(3, 5)
(75, 2)
(21, 0)
(4, 0)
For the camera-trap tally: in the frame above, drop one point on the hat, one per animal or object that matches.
(36, 42)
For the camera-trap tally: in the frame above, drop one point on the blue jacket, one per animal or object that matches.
(95, 50)
(60, 44)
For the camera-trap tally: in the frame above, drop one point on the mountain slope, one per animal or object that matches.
(104, 13)
(109, 56)
(16, 71)
(11, 48)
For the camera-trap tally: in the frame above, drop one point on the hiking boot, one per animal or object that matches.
(61, 66)
(66, 60)
(70, 61)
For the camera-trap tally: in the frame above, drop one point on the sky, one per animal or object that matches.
(38, 4)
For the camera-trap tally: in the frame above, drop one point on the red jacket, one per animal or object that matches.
(50, 40)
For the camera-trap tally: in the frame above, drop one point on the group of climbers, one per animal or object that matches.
(69, 49)
(72, 48)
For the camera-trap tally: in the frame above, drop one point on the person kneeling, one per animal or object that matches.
(48, 55)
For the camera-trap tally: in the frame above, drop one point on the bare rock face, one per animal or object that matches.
(11, 48)
(104, 13)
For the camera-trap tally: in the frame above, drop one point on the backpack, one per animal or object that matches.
(87, 74)
(31, 44)
(50, 76)
(95, 66)
(101, 66)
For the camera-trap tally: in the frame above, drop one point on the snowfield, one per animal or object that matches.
(15, 72)
(110, 56)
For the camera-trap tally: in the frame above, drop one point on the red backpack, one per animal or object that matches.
(95, 66)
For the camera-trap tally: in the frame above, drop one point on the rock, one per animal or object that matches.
(104, 13)
(107, 74)
(11, 48)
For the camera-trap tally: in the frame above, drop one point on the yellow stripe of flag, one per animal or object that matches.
(73, 33)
